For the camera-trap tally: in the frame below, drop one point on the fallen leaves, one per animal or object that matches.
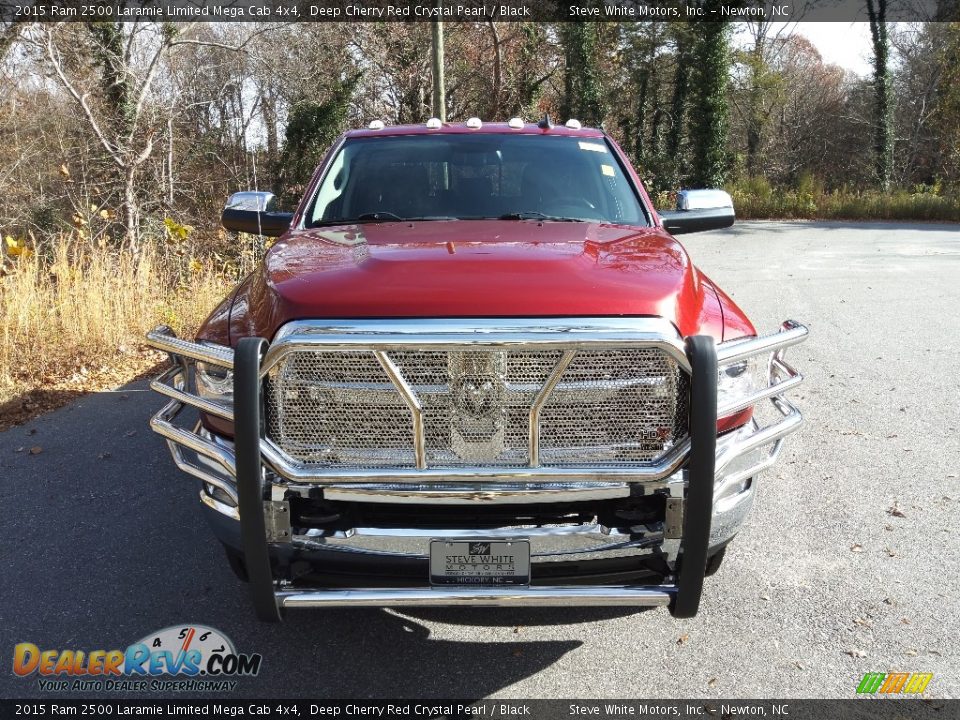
(856, 547)
(59, 390)
(36, 450)
(712, 682)
(855, 653)
(895, 511)
(682, 640)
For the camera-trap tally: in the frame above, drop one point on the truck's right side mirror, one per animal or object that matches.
(255, 213)
(699, 210)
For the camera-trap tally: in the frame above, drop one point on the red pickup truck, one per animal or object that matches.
(476, 368)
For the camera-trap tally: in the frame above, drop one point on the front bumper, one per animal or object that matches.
(708, 488)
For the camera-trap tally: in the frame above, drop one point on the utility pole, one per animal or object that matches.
(439, 93)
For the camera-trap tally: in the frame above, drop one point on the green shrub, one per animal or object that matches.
(754, 198)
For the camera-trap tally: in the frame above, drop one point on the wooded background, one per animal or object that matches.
(125, 132)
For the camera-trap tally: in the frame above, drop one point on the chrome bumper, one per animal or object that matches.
(738, 457)
(554, 596)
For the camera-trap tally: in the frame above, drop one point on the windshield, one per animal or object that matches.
(441, 177)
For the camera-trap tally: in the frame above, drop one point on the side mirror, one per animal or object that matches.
(699, 210)
(255, 213)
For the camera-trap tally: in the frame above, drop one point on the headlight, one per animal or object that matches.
(739, 380)
(214, 383)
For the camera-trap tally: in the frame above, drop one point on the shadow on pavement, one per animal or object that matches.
(104, 543)
(524, 617)
(748, 225)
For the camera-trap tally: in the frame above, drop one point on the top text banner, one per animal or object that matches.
(470, 10)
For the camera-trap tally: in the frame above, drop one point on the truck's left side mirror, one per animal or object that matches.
(699, 210)
(255, 213)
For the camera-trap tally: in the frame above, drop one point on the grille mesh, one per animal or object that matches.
(338, 409)
(610, 407)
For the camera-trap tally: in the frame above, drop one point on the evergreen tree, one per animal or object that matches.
(883, 93)
(582, 97)
(709, 113)
(311, 128)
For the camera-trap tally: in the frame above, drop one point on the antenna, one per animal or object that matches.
(546, 123)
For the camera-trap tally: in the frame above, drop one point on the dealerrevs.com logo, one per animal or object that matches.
(180, 658)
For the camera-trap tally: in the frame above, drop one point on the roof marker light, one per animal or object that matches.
(474, 123)
(434, 124)
(573, 124)
(376, 125)
(515, 123)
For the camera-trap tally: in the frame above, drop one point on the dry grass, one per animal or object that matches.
(755, 198)
(73, 318)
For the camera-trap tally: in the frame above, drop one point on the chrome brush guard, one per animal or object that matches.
(250, 479)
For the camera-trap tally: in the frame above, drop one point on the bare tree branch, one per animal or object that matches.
(112, 150)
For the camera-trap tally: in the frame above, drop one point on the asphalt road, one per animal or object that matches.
(102, 541)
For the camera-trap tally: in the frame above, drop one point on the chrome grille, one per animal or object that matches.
(607, 407)
(338, 408)
(612, 407)
(476, 404)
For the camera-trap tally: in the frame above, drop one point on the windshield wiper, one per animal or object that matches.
(379, 217)
(393, 217)
(535, 215)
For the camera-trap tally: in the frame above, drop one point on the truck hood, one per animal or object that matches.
(469, 268)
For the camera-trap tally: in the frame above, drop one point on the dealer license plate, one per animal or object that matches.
(480, 562)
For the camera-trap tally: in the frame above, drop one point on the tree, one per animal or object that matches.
(311, 128)
(113, 94)
(708, 124)
(436, 71)
(643, 119)
(681, 87)
(946, 147)
(759, 87)
(582, 97)
(816, 127)
(883, 93)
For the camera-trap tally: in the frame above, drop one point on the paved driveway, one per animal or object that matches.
(102, 541)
